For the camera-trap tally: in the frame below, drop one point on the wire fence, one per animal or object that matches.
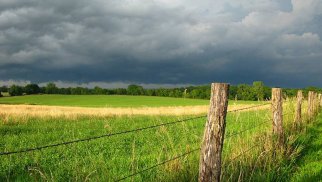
(191, 119)
(117, 133)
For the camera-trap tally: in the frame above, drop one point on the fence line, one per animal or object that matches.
(98, 137)
(251, 107)
(113, 134)
(221, 123)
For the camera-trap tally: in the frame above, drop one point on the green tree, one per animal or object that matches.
(51, 88)
(15, 90)
(135, 90)
(32, 89)
(99, 91)
(258, 87)
(4, 89)
(245, 92)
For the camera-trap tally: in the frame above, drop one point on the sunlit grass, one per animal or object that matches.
(108, 159)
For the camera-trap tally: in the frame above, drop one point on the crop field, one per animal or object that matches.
(106, 101)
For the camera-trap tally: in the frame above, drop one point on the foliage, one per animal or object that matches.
(4, 89)
(135, 90)
(258, 89)
(32, 89)
(15, 90)
(51, 88)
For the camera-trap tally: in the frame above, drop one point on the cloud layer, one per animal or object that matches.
(162, 41)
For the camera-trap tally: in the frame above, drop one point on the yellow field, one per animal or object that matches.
(63, 111)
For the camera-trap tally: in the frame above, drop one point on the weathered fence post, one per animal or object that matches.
(298, 111)
(319, 100)
(213, 139)
(316, 103)
(277, 110)
(310, 105)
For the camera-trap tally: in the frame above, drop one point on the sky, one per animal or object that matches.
(113, 43)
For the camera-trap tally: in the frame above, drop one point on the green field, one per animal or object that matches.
(106, 101)
(110, 158)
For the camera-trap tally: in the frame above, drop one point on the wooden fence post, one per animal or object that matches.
(310, 104)
(320, 100)
(316, 103)
(298, 111)
(213, 139)
(277, 110)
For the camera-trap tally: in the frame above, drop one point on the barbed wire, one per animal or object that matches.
(250, 128)
(159, 164)
(113, 134)
(251, 107)
(98, 137)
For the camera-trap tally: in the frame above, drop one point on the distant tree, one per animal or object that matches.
(99, 91)
(4, 89)
(245, 92)
(1, 94)
(32, 89)
(120, 91)
(65, 91)
(258, 87)
(267, 93)
(135, 90)
(15, 90)
(51, 88)
(150, 92)
(232, 92)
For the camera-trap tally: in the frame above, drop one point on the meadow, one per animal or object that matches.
(107, 101)
(112, 158)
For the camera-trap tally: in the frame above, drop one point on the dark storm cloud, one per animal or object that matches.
(162, 41)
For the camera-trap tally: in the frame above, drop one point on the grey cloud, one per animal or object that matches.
(162, 41)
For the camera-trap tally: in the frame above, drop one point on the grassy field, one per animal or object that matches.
(248, 154)
(106, 101)
(109, 159)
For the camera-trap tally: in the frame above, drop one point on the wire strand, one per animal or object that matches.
(97, 137)
(236, 110)
(159, 164)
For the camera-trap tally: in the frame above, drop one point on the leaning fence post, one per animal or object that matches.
(298, 111)
(277, 110)
(213, 139)
(310, 104)
(317, 105)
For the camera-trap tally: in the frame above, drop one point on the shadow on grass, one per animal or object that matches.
(309, 163)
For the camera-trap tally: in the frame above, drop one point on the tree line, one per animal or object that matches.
(256, 91)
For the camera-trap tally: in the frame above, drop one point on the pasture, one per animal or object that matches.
(111, 158)
(247, 149)
(107, 101)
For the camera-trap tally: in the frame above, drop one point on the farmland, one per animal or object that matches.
(106, 101)
(108, 158)
(111, 158)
